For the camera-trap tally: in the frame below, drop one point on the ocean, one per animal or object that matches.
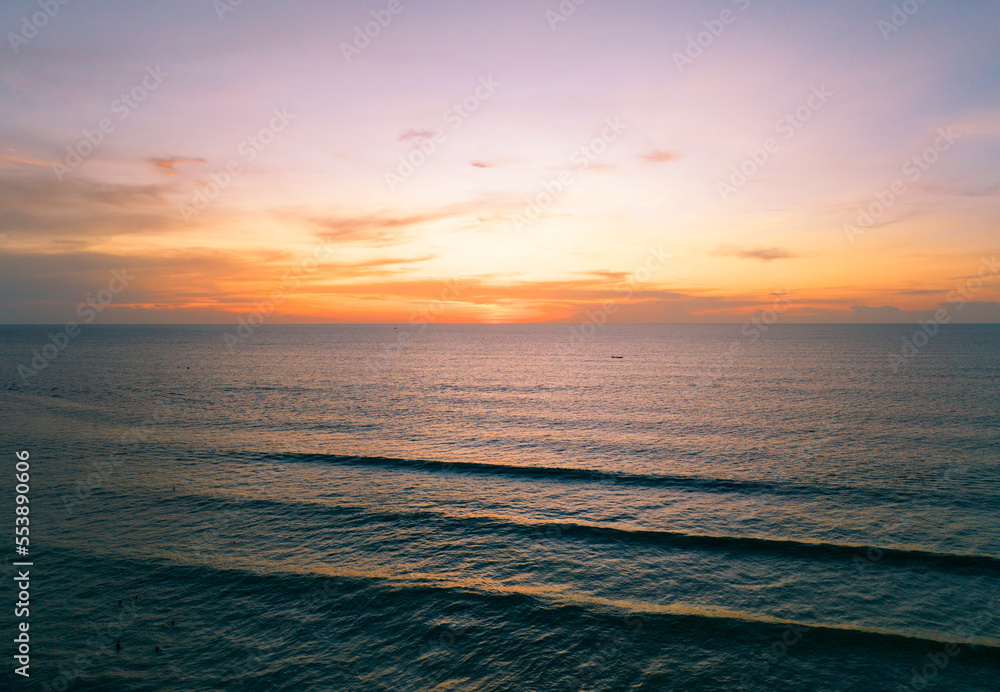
(457, 508)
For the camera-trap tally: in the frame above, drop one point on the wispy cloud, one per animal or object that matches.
(376, 229)
(764, 254)
(167, 165)
(381, 228)
(410, 135)
(660, 156)
(19, 161)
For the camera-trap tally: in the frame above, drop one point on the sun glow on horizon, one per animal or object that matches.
(800, 151)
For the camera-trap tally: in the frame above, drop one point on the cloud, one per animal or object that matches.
(480, 164)
(982, 190)
(17, 161)
(362, 269)
(379, 228)
(212, 285)
(980, 312)
(167, 165)
(887, 313)
(660, 156)
(39, 209)
(764, 254)
(410, 135)
(43, 192)
(46, 287)
(376, 229)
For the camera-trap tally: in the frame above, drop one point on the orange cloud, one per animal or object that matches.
(14, 161)
(764, 254)
(659, 156)
(167, 165)
(379, 228)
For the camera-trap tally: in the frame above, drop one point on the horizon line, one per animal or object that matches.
(488, 324)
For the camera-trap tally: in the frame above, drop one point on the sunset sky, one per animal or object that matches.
(612, 118)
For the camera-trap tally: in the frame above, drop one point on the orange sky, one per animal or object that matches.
(495, 165)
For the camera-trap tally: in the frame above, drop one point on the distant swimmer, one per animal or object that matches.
(118, 645)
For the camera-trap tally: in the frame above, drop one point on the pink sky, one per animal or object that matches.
(537, 159)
